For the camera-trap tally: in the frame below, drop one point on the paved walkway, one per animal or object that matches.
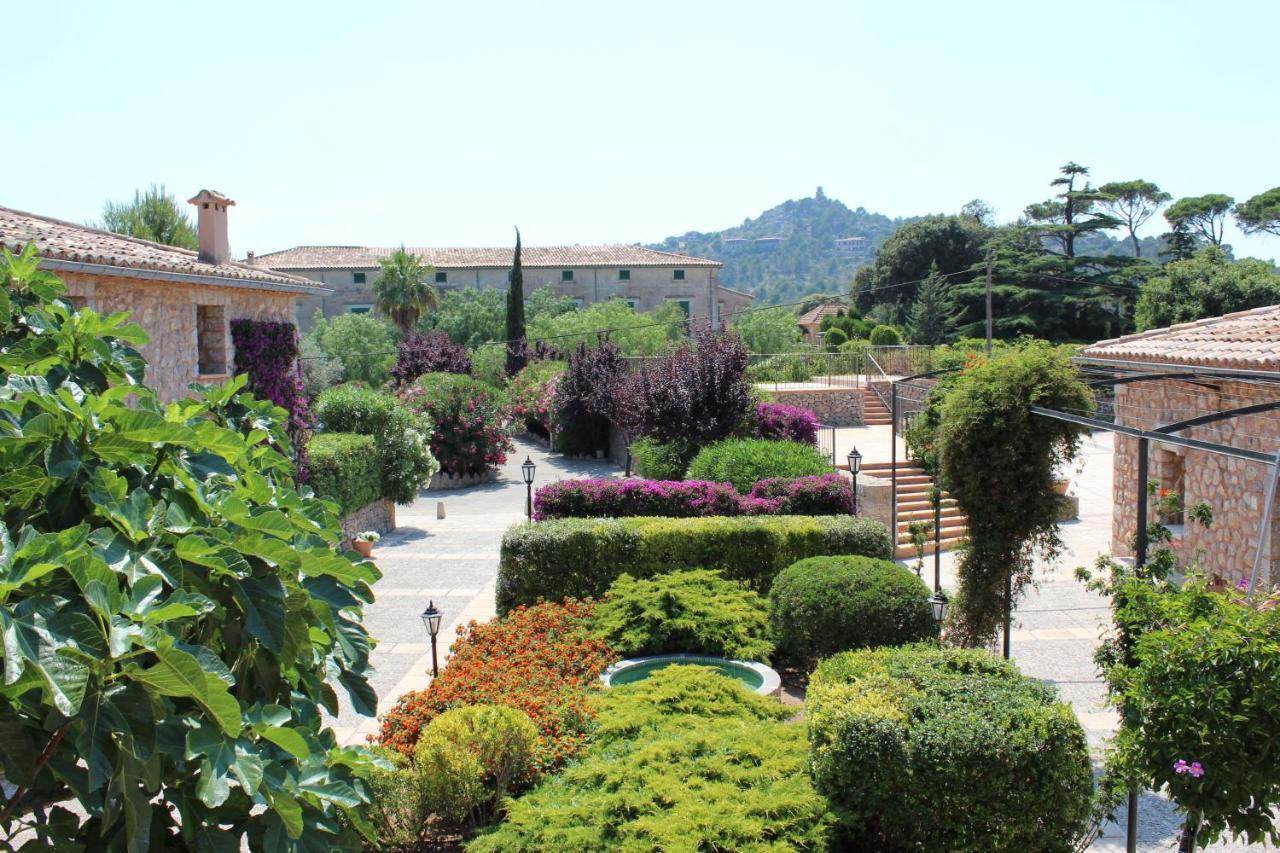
(451, 561)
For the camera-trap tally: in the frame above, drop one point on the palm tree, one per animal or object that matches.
(402, 289)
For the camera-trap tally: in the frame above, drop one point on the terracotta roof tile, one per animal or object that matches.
(65, 241)
(814, 316)
(1247, 340)
(362, 257)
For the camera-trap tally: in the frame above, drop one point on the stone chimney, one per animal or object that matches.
(211, 220)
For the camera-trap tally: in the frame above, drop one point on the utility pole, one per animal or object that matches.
(988, 303)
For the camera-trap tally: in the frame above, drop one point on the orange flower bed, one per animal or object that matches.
(540, 659)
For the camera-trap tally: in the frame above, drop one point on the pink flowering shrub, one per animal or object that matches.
(791, 423)
(824, 495)
(472, 431)
(531, 395)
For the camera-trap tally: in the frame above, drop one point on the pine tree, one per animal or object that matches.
(517, 346)
(932, 317)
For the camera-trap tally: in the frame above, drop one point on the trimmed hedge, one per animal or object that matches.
(579, 557)
(658, 461)
(400, 434)
(745, 462)
(825, 605)
(829, 494)
(920, 748)
(345, 468)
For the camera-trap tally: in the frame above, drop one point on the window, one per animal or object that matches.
(566, 275)
(359, 309)
(632, 303)
(686, 306)
(211, 340)
(677, 275)
(442, 278)
(577, 303)
(624, 275)
(357, 278)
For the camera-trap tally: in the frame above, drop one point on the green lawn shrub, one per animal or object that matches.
(684, 760)
(744, 462)
(402, 436)
(581, 557)
(695, 611)
(823, 605)
(882, 336)
(655, 460)
(345, 468)
(920, 748)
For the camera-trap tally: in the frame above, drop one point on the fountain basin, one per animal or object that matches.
(750, 674)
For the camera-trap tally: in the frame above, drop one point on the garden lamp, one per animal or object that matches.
(939, 604)
(527, 470)
(431, 619)
(855, 465)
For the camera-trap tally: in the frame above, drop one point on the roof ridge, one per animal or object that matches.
(103, 231)
(1182, 327)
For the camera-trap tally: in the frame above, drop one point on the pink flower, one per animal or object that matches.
(1181, 767)
(1242, 585)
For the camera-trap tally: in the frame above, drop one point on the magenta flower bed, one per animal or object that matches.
(828, 494)
(780, 421)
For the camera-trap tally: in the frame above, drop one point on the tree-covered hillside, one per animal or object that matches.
(806, 260)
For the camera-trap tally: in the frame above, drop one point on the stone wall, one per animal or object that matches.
(442, 481)
(833, 406)
(168, 312)
(379, 516)
(1236, 489)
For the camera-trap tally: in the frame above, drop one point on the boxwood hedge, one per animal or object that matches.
(580, 557)
(745, 462)
(920, 748)
(345, 467)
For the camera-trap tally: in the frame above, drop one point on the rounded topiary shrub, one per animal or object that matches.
(885, 336)
(469, 758)
(825, 605)
(744, 462)
(920, 748)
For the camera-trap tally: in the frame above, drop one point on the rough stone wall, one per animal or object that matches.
(168, 312)
(1236, 489)
(379, 516)
(833, 406)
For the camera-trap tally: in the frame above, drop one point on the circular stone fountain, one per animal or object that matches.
(750, 674)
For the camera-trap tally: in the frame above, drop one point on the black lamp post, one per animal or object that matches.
(431, 619)
(936, 496)
(855, 465)
(939, 604)
(527, 470)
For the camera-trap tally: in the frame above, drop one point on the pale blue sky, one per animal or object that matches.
(445, 123)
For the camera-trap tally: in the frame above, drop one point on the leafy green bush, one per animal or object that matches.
(686, 760)
(745, 462)
(825, 605)
(919, 748)
(361, 343)
(489, 364)
(885, 336)
(696, 611)
(834, 338)
(634, 333)
(580, 557)
(176, 614)
(345, 469)
(470, 758)
(405, 460)
(654, 460)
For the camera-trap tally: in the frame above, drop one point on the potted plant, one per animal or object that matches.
(363, 542)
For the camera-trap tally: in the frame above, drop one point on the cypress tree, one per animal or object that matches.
(932, 315)
(517, 346)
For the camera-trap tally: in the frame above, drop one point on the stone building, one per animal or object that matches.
(1236, 489)
(644, 277)
(185, 300)
(810, 322)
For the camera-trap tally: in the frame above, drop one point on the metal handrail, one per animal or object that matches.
(883, 378)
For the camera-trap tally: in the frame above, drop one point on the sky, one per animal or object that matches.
(448, 123)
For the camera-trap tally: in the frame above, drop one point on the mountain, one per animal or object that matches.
(790, 251)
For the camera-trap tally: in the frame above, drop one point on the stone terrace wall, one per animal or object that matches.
(833, 406)
(167, 311)
(1236, 489)
(379, 516)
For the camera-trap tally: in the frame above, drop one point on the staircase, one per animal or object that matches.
(874, 412)
(914, 488)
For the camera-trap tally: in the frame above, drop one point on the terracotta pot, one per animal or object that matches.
(364, 549)
(1061, 486)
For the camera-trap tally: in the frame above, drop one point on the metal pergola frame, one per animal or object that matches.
(1129, 372)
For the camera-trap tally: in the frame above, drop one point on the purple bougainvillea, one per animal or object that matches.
(828, 494)
(432, 352)
(780, 421)
(267, 351)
